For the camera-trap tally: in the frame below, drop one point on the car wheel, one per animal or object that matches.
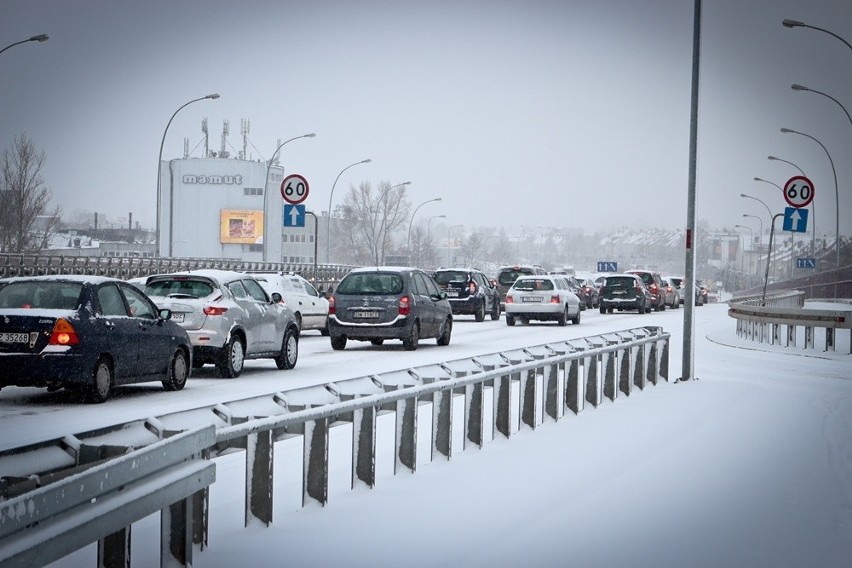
(480, 312)
(562, 319)
(510, 320)
(576, 320)
(289, 349)
(663, 306)
(102, 379)
(647, 309)
(603, 310)
(178, 372)
(338, 343)
(377, 341)
(410, 342)
(232, 359)
(444, 338)
(495, 311)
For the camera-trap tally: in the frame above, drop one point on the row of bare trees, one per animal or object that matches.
(26, 220)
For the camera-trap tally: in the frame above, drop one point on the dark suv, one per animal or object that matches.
(378, 303)
(507, 275)
(624, 292)
(469, 292)
(654, 283)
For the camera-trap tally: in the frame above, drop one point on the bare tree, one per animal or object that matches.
(369, 218)
(26, 225)
(423, 253)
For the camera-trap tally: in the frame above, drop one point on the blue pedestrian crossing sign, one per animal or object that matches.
(805, 263)
(294, 215)
(607, 266)
(795, 219)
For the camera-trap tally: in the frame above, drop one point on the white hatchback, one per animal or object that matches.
(542, 297)
(310, 307)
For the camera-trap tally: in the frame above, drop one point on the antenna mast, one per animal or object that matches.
(206, 137)
(223, 153)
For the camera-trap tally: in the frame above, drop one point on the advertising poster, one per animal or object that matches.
(240, 227)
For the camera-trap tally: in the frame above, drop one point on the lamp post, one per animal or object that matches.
(266, 192)
(759, 240)
(429, 224)
(794, 24)
(410, 222)
(813, 204)
(159, 162)
(796, 87)
(39, 38)
(449, 230)
(752, 241)
(792, 233)
(836, 192)
(330, 196)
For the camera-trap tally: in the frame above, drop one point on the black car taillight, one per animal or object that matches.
(331, 309)
(63, 334)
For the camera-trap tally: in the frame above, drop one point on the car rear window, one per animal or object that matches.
(619, 282)
(447, 276)
(646, 277)
(179, 287)
(41, 295)
(371, 283)
(533, 284)
(508, 276)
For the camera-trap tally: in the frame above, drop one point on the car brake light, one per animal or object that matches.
(63, 334)
(215, 310)
(404, 306)
(331, 308)
(554, 299)
(509, 300)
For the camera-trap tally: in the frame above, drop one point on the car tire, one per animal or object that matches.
(289, 349)
(177, 373)
(576, 320)
(102, 380)
(410, 342)
(495, 311)
(479, 315)
(524, 320)
(338, 342)
(562, 319)
(232, 359)
(648, 309)
(603, 310)
(447, 331)
(377, 341)
(510, 320)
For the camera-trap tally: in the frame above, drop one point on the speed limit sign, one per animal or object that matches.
(799, 191)
(294, 189)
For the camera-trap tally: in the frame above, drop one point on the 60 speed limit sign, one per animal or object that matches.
(294, 189)
(799, 191)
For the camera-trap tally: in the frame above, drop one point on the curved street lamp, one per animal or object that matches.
(429, 223)
(39, 38)
(266, 190)
(794, 24)
(836, 192)
(408, 240)
(761, 222)
(159, 162)
(330, 196)
(751, 232)
(449, 230)
(797, 87)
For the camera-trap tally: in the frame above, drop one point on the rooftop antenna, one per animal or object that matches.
(206, 137)
(245, 127)
(223, 153)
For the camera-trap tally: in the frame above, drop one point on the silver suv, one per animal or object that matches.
(229, 318)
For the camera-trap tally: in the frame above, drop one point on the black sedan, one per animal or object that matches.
(87, 333)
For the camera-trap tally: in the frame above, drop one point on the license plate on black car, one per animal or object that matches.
(365, 315)
(14, 337)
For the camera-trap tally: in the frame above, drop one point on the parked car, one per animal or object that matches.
(542, 297)
(671, 295)
(87, 333)
(469, 292)
(654, 283)
(507, 275)
(680, 284)
(378, 303)
(624, 292)
(575, 286)
(309, 306)
(229, 318)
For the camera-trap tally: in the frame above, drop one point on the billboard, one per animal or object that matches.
(240, 226)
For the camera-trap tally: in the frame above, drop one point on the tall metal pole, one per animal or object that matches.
(316, 228)
(330, 196)
(411, 221)
(759, 240)
(687, 369)
(766, 276)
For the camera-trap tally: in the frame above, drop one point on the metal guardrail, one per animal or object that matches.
(763, 323)
(528, 386)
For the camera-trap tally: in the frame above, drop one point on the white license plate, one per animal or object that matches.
(178, 318)
(452, 293)
(14, 337)
(530, 299)
(365, 315)
(619, 292)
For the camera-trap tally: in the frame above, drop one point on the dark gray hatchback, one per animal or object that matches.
(378, 303)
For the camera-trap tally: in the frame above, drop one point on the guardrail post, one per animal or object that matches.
(809, 337)
(829, 339)
(625, 375)
(502, 405)
(364, 446)
(114, 549)
(573, 397)
(592, 379)
(442, 423)
(176, 534)
(774, 339)
(639, 376)
(528, 396)
(609, 363)
(474, 396)
(664, 361)
(551, 391)
(315, 466)
(791, 335)
(259, 472)
(653, 363)
(406, 434)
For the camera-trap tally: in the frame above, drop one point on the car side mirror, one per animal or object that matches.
(165, 314)
(276, 298)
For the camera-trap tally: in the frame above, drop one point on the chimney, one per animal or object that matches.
(96, 220)
(130, 221)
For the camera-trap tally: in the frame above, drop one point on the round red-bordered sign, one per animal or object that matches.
(799, 191)
(294, 189)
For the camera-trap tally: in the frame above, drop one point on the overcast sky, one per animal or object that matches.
(562, 113)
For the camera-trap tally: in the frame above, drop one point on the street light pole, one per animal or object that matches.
(796, 87)
(39, 38)
(759, 240)
(411, 221)
(813, 205)
(794, 24)
(266, 192)
(159, 162)
(836, 192)
(330, 196)
(449, 230)
(752, 242)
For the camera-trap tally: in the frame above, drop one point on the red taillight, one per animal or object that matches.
(471, 288)
(404, 306)
(63, 334)
(331, 308)
(554, 299)
(215, 310)
(653, 287)
(509, 300)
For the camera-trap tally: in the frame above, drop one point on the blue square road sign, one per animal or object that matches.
(795, 219)
(607, 266)
(294, 215)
